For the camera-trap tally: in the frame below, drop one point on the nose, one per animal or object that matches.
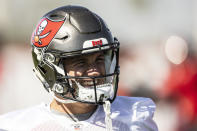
(93, 71)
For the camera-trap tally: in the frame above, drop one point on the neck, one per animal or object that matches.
(72, 108)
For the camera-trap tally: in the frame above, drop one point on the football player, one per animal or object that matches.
(77, 60)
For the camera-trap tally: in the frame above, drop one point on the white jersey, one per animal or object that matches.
(127, 114)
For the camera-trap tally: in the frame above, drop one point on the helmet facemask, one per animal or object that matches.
(91, 89)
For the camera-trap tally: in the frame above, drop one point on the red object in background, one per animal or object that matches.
(181, 86)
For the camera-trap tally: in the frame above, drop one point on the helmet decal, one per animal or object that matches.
(95, 42)
(45, 32)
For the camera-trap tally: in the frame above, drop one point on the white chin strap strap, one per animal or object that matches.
(108, 120)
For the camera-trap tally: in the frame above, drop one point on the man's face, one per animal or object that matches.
(86, 65)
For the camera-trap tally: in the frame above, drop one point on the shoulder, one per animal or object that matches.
(138, 111)
(135, 103)
(21, 118)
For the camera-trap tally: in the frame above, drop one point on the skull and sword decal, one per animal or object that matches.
(45, 32)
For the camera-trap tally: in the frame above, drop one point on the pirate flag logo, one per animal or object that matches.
(45, 32)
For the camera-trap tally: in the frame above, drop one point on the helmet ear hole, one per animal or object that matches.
(42, 69)
(48, 73)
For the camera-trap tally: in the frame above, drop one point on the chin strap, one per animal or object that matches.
(108, 120)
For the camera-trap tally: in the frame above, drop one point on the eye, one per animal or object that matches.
(79, 63)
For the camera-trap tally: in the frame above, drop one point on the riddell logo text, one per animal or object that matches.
(96, 43)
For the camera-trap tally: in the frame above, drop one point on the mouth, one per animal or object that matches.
(91, 83)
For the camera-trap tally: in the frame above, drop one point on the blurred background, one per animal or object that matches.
(158, 55)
